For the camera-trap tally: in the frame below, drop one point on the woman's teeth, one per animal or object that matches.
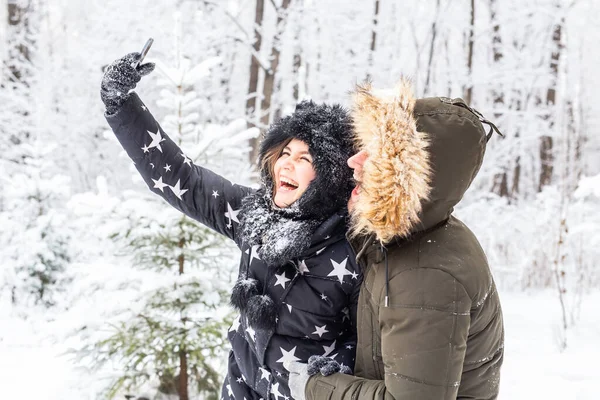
(288, 184)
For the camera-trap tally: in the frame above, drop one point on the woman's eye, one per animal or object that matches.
(307, 159)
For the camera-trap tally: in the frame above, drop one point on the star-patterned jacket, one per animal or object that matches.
(316, 295)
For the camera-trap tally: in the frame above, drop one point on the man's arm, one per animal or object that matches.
(423, 342)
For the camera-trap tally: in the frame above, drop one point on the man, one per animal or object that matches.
(429, 319)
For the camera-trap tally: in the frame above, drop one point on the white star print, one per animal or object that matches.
(144, 108)
(156, 140)
(229, 391)
(239, 380)
(303, 268)
(275, 391)
(167, 167)
(177, 191)
(281, 280)
(215, 194)
(320, 330)
(235, 325)
(264, 374)
(289, 306)
(186, 160)
(323, 297)
(251, 332)
(231, 215)
(349, 347)
(320, 251)
(339, 269)
(288, 356)
(158, 184)
(354, 275)
(152, 165)
(146, 149)
(254, 253)
(329, 349)
(346, 312)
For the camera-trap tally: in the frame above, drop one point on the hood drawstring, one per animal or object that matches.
(367, 242)
(387, 277)
(482, 119)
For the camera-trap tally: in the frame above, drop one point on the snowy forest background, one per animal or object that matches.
(106, 291)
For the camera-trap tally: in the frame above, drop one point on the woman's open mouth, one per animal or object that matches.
(286, 184)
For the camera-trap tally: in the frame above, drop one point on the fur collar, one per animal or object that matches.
(282, 233)
(397, 173)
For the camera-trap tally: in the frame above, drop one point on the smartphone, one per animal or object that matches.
(144, 51)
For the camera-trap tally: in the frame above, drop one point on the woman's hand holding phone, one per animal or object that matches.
(121, 77)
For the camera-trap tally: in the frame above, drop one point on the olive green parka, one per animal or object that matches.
(429, 317)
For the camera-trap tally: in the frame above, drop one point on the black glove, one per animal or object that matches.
(326, 366)
(120, 77)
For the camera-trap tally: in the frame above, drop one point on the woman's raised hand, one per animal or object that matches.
(120, 78)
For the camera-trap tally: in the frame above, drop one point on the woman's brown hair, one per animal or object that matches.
(271, 156)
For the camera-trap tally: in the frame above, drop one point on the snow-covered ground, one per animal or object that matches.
(534, 368)
(31, 366)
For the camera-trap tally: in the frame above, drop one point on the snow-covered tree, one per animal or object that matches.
(35, 237)
(35, 233)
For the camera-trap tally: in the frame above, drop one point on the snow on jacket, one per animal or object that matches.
(429, 318)
(316, 294)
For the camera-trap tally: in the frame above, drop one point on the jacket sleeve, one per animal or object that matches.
(423, 342)
(196, 191)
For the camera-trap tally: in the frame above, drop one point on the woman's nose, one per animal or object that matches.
(287, 163)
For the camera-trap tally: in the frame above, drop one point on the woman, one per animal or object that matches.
(298, 280)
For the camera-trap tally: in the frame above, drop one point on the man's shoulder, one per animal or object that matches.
(450, 250)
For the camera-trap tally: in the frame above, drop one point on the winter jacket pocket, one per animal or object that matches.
(323, 391)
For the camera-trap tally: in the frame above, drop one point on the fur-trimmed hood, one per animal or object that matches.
(422, 156)
(327, 131)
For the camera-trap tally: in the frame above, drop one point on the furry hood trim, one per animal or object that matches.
(397, 173)
(327, 130)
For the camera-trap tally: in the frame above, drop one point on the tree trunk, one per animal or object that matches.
(182, 384)
(547, 142)
(269, 82)
(500, 181)
(373, 40)
(183, 376)
(297, 61)
(432, 47)
(469, 87)
(546, 161)
(251, 102)
(296, 71)
(500, 184)
(514, 191)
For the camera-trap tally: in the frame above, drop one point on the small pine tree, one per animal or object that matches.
(179, 332)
